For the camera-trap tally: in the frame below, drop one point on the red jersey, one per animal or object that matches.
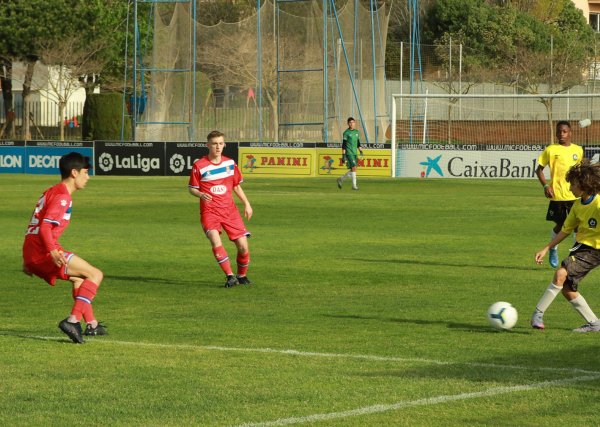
(217, 179)
(52, 215)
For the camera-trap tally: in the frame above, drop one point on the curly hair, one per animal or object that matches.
(586, 175)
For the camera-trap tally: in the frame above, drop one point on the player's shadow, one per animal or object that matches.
(161, 281)
(467, 327)
(443, 264)
(23, 335)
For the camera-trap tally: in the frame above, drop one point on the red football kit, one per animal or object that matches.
(218, 180)
(50, 218)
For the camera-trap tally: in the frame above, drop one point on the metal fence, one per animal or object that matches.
(45, 120)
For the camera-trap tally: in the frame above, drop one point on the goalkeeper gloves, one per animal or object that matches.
(344, 158)
(362, 156)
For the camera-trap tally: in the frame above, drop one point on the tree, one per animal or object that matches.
(60, 68)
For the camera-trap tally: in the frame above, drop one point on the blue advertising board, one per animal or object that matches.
(42, 157)
(12, 156)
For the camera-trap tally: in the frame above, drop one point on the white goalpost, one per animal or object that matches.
(485, 136)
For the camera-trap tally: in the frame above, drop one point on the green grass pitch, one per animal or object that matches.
(369, 310)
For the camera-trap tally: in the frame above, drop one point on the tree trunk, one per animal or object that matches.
(61, 109)
(25, 132)
(274, 117)
(450, 107)
(7, 95)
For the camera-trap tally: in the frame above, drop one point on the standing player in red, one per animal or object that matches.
(213, 179)
(43, 256)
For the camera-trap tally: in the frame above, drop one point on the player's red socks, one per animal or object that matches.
(222, 259)
(88, 314)
(83, 300)
(243, 261)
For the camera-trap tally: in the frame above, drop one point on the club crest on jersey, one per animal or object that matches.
(218, 189)
(63, 203)
(592, 223)
(575, 156)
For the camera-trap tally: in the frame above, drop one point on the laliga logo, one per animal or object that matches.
(177, 163)
(106, 162)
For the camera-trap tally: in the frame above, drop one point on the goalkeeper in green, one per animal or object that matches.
(350, 147)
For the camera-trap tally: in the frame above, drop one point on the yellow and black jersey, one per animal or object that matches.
(560, 159)
(586, 216)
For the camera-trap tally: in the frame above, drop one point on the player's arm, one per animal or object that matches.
(242, 196)
(539, 257)
(202, 196)
(548, 191)
(359, 147)
(344, 142)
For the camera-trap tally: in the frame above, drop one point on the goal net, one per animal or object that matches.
(486, 136)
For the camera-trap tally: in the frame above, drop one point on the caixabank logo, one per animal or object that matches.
(484, 166)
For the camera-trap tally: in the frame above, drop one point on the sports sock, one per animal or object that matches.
(88, 314)
(243, 260)
(582, 307)
(353, 179)
(548, 297)
(223, 259)
(346, 176)
(83, 300)
(553, 236)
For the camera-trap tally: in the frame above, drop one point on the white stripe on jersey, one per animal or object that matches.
(213, 172)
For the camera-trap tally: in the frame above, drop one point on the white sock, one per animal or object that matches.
(553, 236)
(548, 297)
(346, 176)
(582, 307)
(353, 179)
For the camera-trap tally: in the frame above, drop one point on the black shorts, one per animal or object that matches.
(559, 210)
(582, 260)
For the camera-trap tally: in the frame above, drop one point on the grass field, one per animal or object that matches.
(369, 310)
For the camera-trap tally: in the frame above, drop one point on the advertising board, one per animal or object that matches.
(42, 157)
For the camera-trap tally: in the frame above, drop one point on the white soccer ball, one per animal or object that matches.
(502, 315)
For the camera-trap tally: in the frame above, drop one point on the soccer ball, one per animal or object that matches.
(502, 315)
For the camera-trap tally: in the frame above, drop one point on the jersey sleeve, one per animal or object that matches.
(57, 209)
(237, 175)
(571, 222)
(544, 158)
(195, 178)
(358, 142)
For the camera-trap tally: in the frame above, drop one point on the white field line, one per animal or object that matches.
(313, 354)
(421, 402)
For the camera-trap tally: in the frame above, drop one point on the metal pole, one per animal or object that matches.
(374, 70)
(401, 60)
(194, 34)
(425, 118)
(325, 98)
(394, 174)
(450, 74)
(125, 78)
(355, 51)
(259, 45)
(135, 48)
(460, 82)
(551, 61)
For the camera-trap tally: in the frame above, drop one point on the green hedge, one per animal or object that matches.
(103, 118)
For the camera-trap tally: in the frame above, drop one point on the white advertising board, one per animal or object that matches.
(469, 161)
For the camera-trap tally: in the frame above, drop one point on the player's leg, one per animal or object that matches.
(353, 174)
(577, 267)
(537, 319)
(236, 230)
(93, 327)
(553, 252)
(348, 174)
(221, 256)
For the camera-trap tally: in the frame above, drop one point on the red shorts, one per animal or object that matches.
(47, 270)
(233, 224)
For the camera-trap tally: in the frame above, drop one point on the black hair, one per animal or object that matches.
(71, 161)
(350, 118)
(563, 122)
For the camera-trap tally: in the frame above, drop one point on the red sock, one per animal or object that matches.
(88, 314)
(223, 259)
(243, 260)
(83, 300)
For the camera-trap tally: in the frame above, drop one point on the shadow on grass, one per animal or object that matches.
(443, 264)
(451, 325)
(163, 281)
(20, 334)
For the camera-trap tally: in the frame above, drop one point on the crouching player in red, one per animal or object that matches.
(585, 255)
(213, 179)
(43, 256)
